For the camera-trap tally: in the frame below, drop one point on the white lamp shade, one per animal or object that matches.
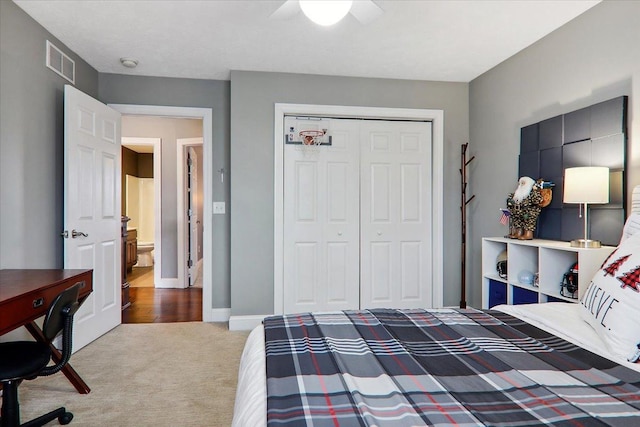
(325, 12)
(586, 185)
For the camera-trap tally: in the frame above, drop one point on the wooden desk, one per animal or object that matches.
(25, 295)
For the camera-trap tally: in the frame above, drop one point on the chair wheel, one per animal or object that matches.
(65, 418)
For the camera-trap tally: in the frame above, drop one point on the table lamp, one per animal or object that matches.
(585, 185)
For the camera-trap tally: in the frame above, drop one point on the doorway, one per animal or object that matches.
(141, 202)
(168, 228)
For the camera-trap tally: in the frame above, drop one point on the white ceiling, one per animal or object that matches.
(418, 40)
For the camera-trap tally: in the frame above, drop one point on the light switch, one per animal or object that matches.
(218, 208)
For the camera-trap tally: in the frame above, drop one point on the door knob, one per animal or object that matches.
(379, 233)
(339, 233)
(75, 234)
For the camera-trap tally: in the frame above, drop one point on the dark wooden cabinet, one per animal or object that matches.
(126, 302)
(131, 248)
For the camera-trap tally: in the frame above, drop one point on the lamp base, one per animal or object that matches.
(585, 243)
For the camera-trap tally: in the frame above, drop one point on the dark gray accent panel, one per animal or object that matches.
(551, 162)
(608, 118)
(576, 154)
(530, 164)
(605, 124)
(549, 223)
(606, 225)
(529, 138)
(550, 133)
(572, 223)
(558, 191)
(577, 126)
(609, 151)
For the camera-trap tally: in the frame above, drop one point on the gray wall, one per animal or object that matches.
(593, 58)
(214, 94)
(32, 142)
(252, 152)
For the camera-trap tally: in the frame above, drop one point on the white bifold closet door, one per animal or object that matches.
(357, 218)
(395, 215)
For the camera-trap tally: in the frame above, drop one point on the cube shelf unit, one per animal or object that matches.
(550, 259)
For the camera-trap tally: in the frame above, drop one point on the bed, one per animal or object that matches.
(553, 363)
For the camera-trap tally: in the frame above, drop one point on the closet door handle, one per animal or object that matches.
(379, 233)
(339, 233)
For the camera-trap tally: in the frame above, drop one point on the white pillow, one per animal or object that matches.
(631, 226)
(611, 304)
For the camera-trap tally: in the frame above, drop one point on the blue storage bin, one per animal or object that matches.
(497, 293)
(554, 299)
(524, 296)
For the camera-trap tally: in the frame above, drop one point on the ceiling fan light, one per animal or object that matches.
(325, 12)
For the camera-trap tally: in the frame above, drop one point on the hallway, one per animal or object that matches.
(151, 305)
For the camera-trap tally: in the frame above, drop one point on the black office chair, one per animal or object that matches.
(26, 360)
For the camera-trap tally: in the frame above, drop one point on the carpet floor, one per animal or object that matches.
(159, 374)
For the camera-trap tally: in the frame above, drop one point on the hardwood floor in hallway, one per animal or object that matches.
(151, 305)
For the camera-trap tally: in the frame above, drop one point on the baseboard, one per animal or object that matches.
(245, 323)
(216, 315)
(168, 283)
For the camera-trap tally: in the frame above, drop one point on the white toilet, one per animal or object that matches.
(145, 254)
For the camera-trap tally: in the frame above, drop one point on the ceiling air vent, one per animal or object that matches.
(60, 63)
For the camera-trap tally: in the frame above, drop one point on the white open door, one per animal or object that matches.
(190, 200)
(192, 213)
(92, 215)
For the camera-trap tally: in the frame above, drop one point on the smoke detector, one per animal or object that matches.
(129, 62)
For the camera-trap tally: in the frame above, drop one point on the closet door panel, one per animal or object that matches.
(321, 215)
(411, 271)
(411, 193)
(306, 272)
(381, 275)
(380, 177)
(337, 272)
(395, 209)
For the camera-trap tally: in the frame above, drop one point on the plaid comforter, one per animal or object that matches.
(439, 367)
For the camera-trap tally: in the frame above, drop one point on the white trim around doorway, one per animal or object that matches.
(206, 114)
(338, 111)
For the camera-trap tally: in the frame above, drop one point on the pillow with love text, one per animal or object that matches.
(611, 304)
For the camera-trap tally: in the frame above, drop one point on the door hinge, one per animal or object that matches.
(189, 263)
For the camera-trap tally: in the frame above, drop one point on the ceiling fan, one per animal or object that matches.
(365, 11)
